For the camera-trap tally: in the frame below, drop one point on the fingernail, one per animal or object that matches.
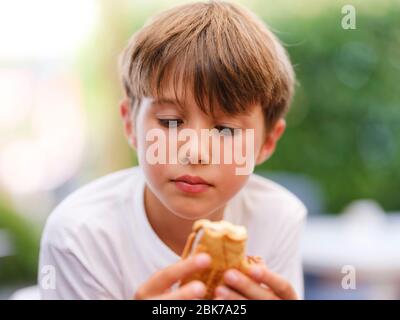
(198, 288)
(202, 260)
(232, 276)
(221, 292)
(256, 271)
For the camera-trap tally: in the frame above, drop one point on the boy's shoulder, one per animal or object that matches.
(93, 207)
(267, 199)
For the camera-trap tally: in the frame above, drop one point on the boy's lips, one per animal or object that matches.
(191, 184)
(192, 179)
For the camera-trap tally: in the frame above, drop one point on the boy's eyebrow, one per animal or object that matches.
(174, 102)
(164, 100)
(167, 101)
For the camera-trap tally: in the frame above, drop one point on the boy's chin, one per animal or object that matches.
(192, 212)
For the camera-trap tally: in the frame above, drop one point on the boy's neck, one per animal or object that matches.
(171, 229)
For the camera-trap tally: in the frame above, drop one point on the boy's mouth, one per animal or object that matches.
(191, 184)
(192, 180)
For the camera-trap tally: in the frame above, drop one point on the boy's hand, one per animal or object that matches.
(159, 284)
(262, 284)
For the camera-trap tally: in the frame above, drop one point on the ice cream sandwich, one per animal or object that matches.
(225, 243)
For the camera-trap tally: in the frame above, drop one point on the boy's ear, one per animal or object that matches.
(128, 121)
(268, 147)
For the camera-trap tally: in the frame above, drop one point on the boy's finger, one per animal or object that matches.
(274, 281)
(226, 293)
(245, 286)
(192, 290)
(165, 278)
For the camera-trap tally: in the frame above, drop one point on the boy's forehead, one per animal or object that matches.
(164, 100)
(170, 101)
(167, 95)
(178, 99)
(175, 89)
(182, 96)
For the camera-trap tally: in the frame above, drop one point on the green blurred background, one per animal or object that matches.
(343, 131)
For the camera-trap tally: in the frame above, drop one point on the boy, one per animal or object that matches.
(210, 66)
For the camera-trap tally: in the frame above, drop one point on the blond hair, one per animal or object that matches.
(222, 52)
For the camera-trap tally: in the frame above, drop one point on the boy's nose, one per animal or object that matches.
(197, 151)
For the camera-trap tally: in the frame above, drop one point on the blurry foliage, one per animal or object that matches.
(21, 266)
(344, 126)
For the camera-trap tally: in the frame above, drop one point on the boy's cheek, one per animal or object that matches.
(228, 181)
(157, 173)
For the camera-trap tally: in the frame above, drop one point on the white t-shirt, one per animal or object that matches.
(99, 244)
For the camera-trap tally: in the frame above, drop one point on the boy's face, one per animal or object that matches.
(195, 158)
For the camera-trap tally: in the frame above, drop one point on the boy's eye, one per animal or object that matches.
(225, 130)
(174, 123)
(170, 123)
